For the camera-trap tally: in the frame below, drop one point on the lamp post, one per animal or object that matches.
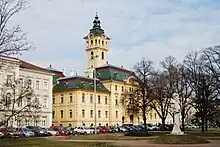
(94, 76)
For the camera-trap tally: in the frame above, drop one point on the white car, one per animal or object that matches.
(52, 132)
(83, 130)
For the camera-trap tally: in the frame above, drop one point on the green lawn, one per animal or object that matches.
(179, 139)
(115, 136)
(31, 142)
(215, 135)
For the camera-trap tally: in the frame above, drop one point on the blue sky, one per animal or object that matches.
(138, 28)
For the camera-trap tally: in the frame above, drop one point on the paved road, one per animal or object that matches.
(146, 143)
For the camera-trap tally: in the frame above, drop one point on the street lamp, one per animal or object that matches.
(94, 76)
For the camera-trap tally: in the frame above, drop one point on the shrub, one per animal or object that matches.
(138, 133)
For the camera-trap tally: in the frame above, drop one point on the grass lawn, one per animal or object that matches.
(179, 139)
(34, 142)
(215, 135)
(115, 136)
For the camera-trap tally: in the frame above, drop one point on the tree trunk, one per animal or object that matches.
(145, 121)
(203, 121)
(163, 123)
(206, 124)
(183, 122)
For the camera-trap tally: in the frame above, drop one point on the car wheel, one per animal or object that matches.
(85, 133)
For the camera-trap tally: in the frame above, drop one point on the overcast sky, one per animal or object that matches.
(138, 28)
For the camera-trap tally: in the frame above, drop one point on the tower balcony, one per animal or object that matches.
(96, 45)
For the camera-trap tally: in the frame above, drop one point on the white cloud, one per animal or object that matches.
(138, 28)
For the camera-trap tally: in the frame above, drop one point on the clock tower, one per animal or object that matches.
(96, 47)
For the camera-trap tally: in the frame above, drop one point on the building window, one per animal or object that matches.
(83, 113)
(53, 114)
(37, 85)
(92, 55)
(70, 113)
(99, 114)
(106, 114)
(29, 83)
(71, 98)
(155, 115)
(99, 99)
(45, 103)
(21, 82)
(103, 55)
(45, 85)
(61, 113)
(83, 97)
(116, 102)
(43, 122)
(116, 114)
(129, 89)
(61, 99)
(19, 102)
(122, 88)
(28, 101)
(91, 98)
(91, 113)
(151, 116)
(116, 87)
(106, 100)
(102, 43)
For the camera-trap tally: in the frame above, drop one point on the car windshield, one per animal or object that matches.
(11, 130)
(25, 129)
(50, 129)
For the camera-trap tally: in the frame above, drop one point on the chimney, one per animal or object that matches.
(50, 66)
(64, 71)
(76, 72)
(71, 73)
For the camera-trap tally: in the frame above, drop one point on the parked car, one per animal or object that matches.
(52, 132)
(93, 128)
(61, 130)
(70, 130)
(84, 130)
(12, 133)
(2, 135)
(122, 129)
(25, 132)
(38, 131)
(102, 130)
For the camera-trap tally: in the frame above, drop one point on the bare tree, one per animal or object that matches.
(185, 93)
(203, 85)
(12, 39)
(141, 97)
(17, 102)
(161, 97)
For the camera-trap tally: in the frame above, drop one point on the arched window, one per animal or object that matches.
(102, 55)
(91, 42)
(102, 43)
(99, 42)
(96, 42)
(92, 54)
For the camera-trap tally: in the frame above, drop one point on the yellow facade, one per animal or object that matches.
(77, 108)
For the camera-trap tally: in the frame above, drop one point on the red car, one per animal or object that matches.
(102, 130)
(61, 130)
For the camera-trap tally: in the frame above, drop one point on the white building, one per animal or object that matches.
(41, 82)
